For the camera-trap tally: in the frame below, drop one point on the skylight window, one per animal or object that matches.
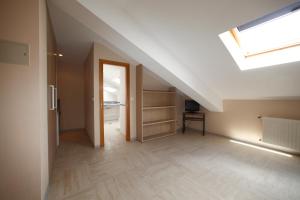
(270, 40)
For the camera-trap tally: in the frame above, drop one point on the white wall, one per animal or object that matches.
(23, 118)
(239, 119)
(89, 94)
(109, 96)
(153, 82)
(43, 98)
(122, 100)
(71, 95)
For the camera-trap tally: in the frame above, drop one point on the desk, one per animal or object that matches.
(193, 116)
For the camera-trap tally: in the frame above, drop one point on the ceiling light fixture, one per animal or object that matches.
(58, 54)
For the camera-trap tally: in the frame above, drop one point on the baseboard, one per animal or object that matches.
(191, 129)
(73, 129)
(264, 145)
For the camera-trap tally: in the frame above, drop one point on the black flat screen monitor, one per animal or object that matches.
(192, 106)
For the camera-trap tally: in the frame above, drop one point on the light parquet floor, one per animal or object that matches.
(180, 167)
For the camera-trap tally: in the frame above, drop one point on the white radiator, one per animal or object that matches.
(281, 132)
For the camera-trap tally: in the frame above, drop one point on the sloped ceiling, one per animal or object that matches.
(178, 40)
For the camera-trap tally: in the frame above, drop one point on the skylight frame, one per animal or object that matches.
(283, 53)
(235, 34)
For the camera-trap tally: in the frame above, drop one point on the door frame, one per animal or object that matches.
(102, 62)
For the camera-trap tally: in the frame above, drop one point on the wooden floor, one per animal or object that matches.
(74, 137)
(112, 135)
(180, 167)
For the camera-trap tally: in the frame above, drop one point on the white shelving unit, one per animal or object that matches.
(156, 111)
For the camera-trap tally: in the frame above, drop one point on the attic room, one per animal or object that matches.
(136, 99)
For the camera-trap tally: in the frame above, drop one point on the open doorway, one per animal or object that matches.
(114, 102)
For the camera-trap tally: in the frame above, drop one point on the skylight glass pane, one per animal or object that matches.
(269, 40)
(278, 33)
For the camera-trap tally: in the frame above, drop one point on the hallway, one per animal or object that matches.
(76, 137)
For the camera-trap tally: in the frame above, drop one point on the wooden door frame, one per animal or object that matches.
(102, 62)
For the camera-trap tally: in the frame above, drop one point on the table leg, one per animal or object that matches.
(183, 125)
(203, 127)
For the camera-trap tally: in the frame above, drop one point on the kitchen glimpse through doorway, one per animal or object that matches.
(114, 103)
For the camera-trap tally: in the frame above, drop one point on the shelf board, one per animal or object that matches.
(158, 122)
(157, 107)
(157, 136)
(159, 91)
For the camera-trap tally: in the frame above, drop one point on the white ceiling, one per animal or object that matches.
(182, 37)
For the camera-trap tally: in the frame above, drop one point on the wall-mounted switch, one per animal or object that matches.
(14, 53)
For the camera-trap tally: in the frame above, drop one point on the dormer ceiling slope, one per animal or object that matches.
(178, 40)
